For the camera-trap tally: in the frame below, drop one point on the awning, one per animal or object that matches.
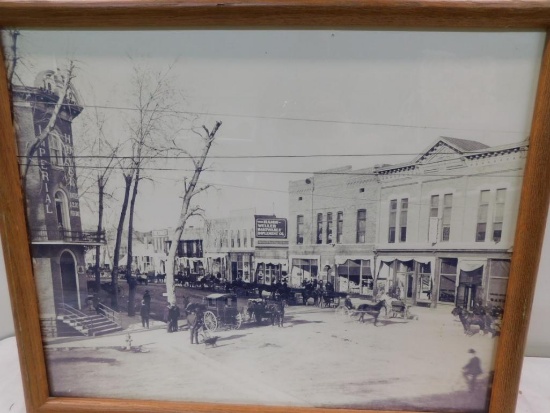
(341, 259)
(470, 264)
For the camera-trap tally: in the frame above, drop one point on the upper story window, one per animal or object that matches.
(361, 226)
(482, 215)
(446, 217)
(403, 220)
(499, 214)
(339, 227)
(434, 206)
(319, 229)
(300, 229)
(251, 238)
(329, 228)
(392, 221)
(245, 240)
(232, 240)
(57, 153)
(238, 239)
(62, 211)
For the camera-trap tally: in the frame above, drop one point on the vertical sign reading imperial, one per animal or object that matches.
(268, 226)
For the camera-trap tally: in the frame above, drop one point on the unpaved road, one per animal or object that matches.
(317, 359)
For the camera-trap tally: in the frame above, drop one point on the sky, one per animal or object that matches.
(310, 93)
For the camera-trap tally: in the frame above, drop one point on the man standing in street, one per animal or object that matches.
(195, 321)
(144, 312)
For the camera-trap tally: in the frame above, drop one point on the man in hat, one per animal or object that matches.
(196, 322)
(471, 370)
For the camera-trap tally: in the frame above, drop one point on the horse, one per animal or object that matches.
(371, 309)
(277, 312)
(483, 320)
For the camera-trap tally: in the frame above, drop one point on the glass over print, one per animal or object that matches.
(294, 218)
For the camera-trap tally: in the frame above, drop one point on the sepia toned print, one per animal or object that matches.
(303, 220)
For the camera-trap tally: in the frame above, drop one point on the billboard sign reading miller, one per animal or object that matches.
(270, 227)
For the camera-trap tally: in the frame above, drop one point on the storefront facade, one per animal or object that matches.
(434, 231)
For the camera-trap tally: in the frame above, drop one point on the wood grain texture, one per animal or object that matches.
(527, 249)
(276, 13)
(288, 14)
(13, 230)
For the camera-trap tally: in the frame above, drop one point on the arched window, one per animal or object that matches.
(62, 211)
(57, 150)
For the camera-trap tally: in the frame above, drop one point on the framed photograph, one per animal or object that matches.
(309, 206)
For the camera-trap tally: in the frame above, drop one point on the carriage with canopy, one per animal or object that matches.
(220, 310)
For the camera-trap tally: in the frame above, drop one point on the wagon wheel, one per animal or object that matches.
(238, 321)
(210, 321)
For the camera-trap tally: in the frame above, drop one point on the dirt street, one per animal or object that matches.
(317, 359)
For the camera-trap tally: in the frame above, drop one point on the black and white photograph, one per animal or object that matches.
(274, 218)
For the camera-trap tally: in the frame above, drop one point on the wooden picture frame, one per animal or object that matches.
(401, 14)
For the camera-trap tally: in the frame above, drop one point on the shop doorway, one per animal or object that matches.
(69, 282)
(469, 288)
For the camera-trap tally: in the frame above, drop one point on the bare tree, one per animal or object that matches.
(12, 57)
(97, 161)
(187, 211)
(153, 102)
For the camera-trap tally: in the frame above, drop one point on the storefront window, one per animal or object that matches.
(424, 287)
(354, 275)
(303, 269)
(447, 280)
(498, 281)
(268, 273)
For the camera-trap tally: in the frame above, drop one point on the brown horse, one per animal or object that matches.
(371, 309)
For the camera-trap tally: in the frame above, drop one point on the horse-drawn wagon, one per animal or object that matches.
(258, 310)
(399, 309)
(220, 310)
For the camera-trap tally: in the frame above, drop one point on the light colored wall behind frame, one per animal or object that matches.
(538, 341)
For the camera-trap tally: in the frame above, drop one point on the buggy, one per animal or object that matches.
(220, 310)
(400, 309)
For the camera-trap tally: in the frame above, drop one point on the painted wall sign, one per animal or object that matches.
(271, 227)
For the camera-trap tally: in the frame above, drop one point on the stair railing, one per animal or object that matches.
(81, 319)
(109, 313)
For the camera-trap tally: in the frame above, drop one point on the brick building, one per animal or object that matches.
(236, 250)
(447, 222)
(436, 230)
(332, 228)
(230, 245)
(58, 242)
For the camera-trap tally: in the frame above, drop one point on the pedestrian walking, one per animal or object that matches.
(144, 312)
(471, 370)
